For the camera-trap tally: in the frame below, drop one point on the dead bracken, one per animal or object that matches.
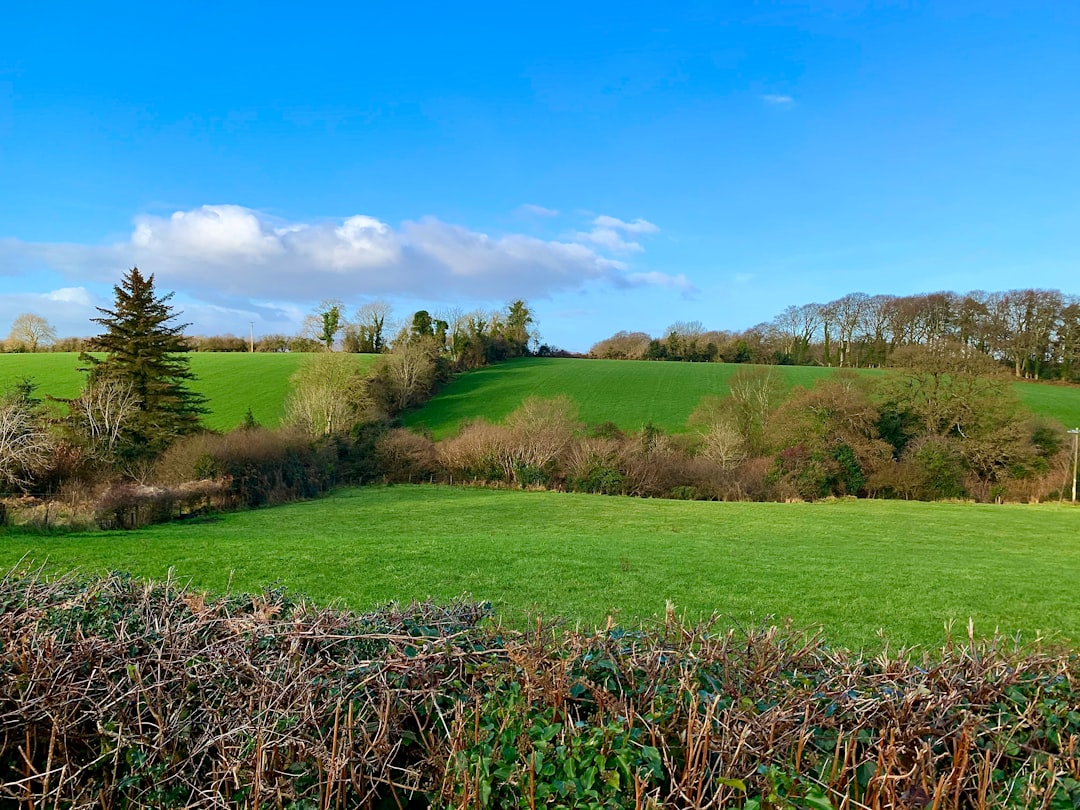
(117, 692)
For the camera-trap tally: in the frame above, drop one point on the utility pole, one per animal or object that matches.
(252, 344)
(1075, 434)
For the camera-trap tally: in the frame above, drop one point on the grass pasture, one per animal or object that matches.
(231, 381)
(851, 567)
(626, 392)
(631, 393)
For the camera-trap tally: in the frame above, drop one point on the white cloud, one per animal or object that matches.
(212, 233)
(609, 232)
(230, 256)
(679, 282)
(79, 296)
(537, 210)
(777, 99)
(68, 309)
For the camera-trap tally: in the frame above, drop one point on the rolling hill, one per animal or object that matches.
(627, 392)
(631, 393)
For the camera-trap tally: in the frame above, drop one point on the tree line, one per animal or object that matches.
(1035, 333)
(467, 339)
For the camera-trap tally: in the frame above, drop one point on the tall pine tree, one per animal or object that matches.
(146, 351)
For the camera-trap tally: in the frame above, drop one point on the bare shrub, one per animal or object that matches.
(477, 453)
(404, 456)
(262, 466)
(540, 431)
(25, 444)
(120, 693)
(593, 465)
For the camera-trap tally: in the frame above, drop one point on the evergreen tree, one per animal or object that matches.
(146, 351)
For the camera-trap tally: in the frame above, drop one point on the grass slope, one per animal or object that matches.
(628, 393)
(853, 567)
(631, 393)
(231, 381)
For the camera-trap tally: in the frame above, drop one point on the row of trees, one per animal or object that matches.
(1035, 333)
(469, 339)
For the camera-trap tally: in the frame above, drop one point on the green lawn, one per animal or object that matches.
(231, 381)
(631, 393)
(851, 566)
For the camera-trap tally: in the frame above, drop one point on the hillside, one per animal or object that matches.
(232, 382)
(627, 392)
(631, 393)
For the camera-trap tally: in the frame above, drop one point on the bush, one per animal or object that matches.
(403, 456)
(261, 466)
(131, 506)
(119, 693)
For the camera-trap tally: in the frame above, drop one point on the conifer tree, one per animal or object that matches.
(147, 352)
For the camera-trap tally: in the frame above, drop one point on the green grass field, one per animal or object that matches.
(231, 381)
(851, 567)
(632, 393)
(628, 393)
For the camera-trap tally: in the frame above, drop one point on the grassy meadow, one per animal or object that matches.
(631, 393)
(852, 567)
(231, 381)
(627, 392)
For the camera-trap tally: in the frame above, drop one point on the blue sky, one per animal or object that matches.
(619, 165)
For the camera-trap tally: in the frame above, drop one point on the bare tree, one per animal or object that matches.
(1028, 319)
(372, 320)
(329, 395)
(31, 331)
(622, 346)
(723, 445)
(849, 314)
(798, 325)
(25, 443)
(408, 371)
(104, 409)
(755, 392)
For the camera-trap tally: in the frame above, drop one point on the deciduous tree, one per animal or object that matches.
(31, 331)
(328, 395)
(25, 442)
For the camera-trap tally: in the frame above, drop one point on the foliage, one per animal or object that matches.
(624, 394)
(133, 694)
(146, 353)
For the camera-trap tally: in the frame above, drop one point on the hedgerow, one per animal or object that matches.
(120, 693)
